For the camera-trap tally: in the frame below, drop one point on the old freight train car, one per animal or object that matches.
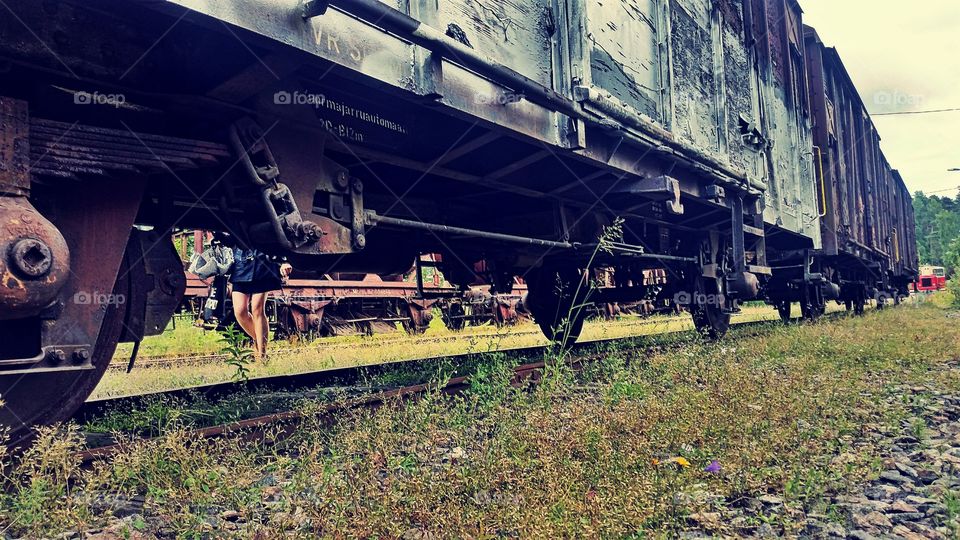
(868, 238)
(353, 135)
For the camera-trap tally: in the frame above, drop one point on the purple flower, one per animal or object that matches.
(713, 467)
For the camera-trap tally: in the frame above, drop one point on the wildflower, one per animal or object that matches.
(713, 467)
(680, 461)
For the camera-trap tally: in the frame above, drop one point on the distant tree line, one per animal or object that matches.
(938, 230)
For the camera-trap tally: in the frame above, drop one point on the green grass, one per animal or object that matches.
(588, 454)
(181, 338)
(348, 351)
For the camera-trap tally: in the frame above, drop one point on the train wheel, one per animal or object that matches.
(499, 314)
(783, 308)
(707, 308)
(47, 398)
(414, 327)
(812, 306)
(859, 301)
(454, 317)
(555, 300)
(419, 318)
(859, 306)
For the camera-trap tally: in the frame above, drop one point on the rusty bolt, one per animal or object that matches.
(343, 180)
(357, 185)
(81, 355)
(31, 258)
(311, 230)
(56, 356)
(360, 241)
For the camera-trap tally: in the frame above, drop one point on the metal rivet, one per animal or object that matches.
(343, 180)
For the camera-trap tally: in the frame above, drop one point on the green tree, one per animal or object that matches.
(946, 231)
(938, 228)
(952, 256)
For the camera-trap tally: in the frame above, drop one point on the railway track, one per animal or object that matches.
(119, 364)
(150, 362)
(281, 424)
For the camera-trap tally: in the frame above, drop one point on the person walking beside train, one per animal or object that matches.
(253, 277)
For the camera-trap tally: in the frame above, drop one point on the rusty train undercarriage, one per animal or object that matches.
(310, 308)
(354, 136)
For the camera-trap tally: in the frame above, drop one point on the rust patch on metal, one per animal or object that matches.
(14, 147)
(34, 259)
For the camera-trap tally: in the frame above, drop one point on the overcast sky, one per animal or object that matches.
(903, 56)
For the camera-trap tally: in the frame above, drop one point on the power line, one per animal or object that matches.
(916, 112)
(940, 191)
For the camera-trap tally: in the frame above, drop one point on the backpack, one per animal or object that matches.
(216, 260)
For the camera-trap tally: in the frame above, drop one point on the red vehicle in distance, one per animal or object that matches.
(932, 278)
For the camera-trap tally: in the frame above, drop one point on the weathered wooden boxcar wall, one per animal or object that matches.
(866, 201)
(847, 158)
(831, 199)
(884, 204)
(517, 33)
(621, 52)
(693, 67)
(696, 68)
(909, 260)
(778, 36)
(903, 235)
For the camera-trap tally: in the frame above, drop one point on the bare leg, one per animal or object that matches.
(241, 311)
(261, 327)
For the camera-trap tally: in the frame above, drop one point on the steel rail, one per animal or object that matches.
(200, 359)
(287, 420)
(281, 425)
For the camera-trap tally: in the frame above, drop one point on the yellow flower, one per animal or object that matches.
(679, 460)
